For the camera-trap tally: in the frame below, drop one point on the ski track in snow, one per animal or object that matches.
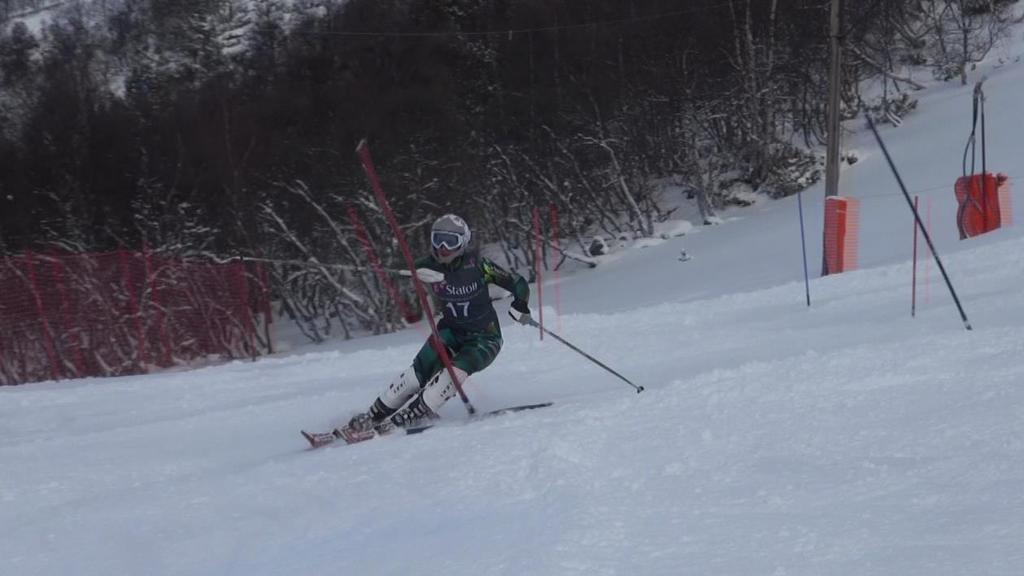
(844, 439)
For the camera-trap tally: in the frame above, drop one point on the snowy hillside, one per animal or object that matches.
(843, 439)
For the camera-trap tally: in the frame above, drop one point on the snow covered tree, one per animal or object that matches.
(963, 32)
(17, 48)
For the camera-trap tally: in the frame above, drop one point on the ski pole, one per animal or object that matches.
(917, 218)
(534, 323)
(803, 245)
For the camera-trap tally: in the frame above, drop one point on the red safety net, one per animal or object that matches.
(117, 313)
(985, 203)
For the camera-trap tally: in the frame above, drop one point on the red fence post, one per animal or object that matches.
(51, 347)
(268, 315)
(165, 313)
(68, 328)
(154, 297)
(128, 285)
(4, 347)
(146, 303)
(248, 326)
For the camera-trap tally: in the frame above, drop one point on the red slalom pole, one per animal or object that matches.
(538, 254)
(927, 261)
(558, 282)
(51, 346)
(378, 267)
(913, 283)
(363, 150)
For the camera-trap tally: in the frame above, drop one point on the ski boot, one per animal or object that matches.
(414, 414)
(363, 426)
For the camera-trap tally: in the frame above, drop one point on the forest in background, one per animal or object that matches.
(222, 128)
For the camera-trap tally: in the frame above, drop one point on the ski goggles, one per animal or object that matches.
(445, 240)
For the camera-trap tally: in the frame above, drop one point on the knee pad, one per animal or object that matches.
(401, 389)
(440, 389)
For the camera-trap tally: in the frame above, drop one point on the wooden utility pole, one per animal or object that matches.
(835, 79)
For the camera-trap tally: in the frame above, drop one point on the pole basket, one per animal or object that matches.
(985, 203)
(842, 234)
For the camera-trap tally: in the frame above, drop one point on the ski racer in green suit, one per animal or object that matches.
(469, 329)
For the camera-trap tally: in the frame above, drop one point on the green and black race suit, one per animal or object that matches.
(469, 328)
(463, 295)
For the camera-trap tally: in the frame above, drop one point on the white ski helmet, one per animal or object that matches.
(449, 237)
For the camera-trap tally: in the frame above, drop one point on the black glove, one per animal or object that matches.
(520, 312)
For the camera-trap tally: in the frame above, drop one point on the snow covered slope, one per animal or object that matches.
(843, 439)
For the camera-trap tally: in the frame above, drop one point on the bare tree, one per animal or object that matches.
(963, 32)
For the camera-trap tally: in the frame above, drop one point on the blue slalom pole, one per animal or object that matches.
(803, 244)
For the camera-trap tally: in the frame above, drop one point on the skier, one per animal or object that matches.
(469, 330)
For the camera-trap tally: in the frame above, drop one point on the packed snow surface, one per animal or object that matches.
(842, 439)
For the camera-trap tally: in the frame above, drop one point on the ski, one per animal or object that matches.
(499, 412)
(349, 436)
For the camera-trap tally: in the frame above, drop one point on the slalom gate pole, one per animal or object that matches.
(917, 218)
(363, 150)
(803, 244)
(558, 276)
(538, 257)
(927, 268)
(534, 323)
(364, 238)
(913, 281)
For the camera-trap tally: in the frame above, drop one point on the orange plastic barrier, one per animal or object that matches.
(985, 203)
(842, 234)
